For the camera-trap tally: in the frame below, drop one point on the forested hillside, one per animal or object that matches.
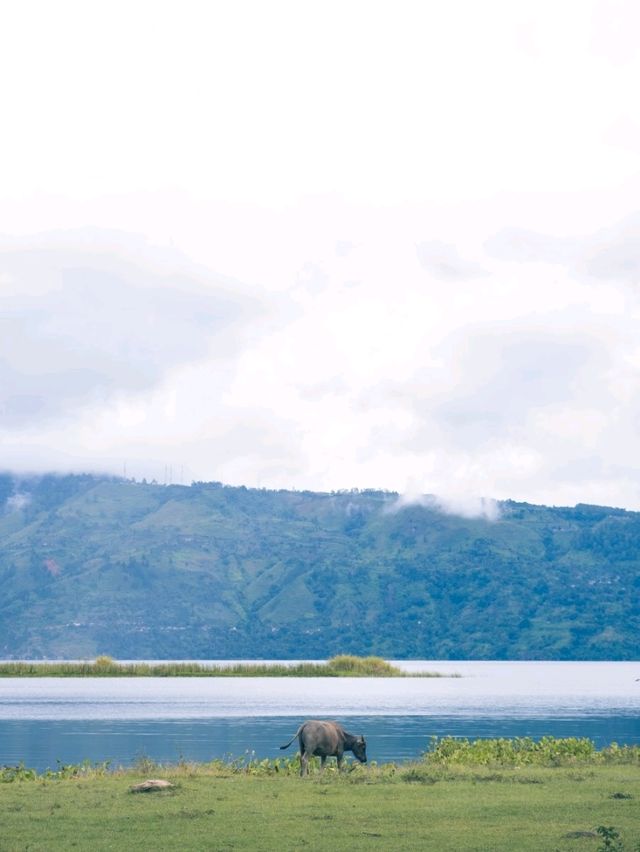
(96, 565)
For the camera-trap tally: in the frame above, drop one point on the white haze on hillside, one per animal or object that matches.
(464, 505)
(331, 246)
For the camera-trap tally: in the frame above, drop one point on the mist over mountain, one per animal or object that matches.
(92, 564)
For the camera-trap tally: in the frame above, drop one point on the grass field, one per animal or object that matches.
(343, 665)
(420, 806)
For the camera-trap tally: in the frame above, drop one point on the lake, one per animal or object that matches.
(45, 720)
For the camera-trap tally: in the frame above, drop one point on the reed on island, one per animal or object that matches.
(343, 665)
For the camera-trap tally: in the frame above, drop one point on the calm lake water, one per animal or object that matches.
(45, 720)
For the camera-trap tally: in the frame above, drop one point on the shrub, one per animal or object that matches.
(373, 666)
(518, 751)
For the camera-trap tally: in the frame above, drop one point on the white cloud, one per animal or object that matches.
(464, 505)
(412, 247)
(17, 502)
(89, 316)
(611, 253)
(444, 262)
(368, 371)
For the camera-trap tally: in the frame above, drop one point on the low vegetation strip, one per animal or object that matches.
(343, 665)
(524, 751)
(572, 797)
(447, 758)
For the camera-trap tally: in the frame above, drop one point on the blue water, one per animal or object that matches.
(45, 720)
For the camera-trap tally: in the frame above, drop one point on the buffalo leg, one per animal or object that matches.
(304, 763)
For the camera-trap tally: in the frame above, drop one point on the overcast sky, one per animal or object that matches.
(324, 245)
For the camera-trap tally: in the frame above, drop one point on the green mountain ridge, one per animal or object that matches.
(92, 564)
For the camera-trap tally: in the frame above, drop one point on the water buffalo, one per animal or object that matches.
(326, 739)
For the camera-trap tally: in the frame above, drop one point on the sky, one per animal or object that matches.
(324, 245)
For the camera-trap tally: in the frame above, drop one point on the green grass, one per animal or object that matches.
(250, 805)
(343, 665)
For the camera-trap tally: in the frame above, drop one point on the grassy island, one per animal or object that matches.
(343, 665)
(499, 795)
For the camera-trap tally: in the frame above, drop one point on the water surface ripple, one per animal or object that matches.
(69, 719)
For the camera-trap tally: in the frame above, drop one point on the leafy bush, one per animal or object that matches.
(524, 751)
(17, 773)
(20, 772)
(611, 841)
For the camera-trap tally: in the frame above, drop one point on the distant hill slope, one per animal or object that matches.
(96, 565)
